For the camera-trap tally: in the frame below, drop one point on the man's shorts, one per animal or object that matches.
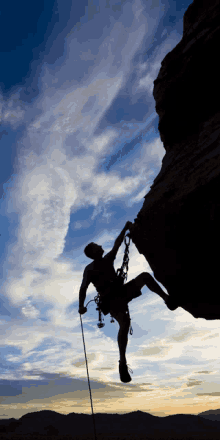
(117, 298)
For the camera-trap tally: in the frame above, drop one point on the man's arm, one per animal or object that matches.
(119, 241)
(83, 288)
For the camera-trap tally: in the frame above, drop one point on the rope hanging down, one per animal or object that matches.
(88, 379)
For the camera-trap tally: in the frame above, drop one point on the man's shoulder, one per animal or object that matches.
(87, 273)
(88, 267)
(110, 255)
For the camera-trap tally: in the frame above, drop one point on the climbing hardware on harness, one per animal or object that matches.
(122, 274)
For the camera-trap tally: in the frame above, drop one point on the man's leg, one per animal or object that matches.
(123, 319)
(145, 279)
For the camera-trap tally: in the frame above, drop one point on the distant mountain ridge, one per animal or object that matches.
(137, 422)
(212, 414)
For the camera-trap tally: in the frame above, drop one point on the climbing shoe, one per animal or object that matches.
(123, 371)
(171, 303)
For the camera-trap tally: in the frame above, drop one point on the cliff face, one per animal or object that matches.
(177, 229)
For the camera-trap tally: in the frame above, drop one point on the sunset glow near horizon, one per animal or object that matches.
(80, 149)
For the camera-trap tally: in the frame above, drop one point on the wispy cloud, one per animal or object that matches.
(12, 110)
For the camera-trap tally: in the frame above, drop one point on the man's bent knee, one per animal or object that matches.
(125, 324)
(141, 279)
(123, 318)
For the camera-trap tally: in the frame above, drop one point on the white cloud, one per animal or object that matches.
(156, 150)
(56, 283)
(81, 224)
(30, 311)
(140, 195)
(12, 110)
(69, 110)
(149, 150)
(147, 82)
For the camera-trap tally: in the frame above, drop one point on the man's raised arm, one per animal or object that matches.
(120, 239)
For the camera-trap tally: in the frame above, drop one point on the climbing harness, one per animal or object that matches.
(122, 274)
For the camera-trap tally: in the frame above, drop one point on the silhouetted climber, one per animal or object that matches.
(115, 298)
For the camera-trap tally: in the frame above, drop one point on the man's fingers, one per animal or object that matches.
(82, 310)
(130, 225)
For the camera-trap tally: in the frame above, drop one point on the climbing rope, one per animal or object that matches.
(88, 379)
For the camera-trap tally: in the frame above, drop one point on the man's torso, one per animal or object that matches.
(101, 273)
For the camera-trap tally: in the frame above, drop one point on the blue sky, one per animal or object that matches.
(80, 149)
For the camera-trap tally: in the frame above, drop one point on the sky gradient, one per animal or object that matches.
(80, 149)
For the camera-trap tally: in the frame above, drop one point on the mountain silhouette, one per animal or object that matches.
(212, 414)
(136, 422)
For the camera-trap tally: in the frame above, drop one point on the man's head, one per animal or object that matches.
(93, 251)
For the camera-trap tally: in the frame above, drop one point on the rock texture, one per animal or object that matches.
(177, 229)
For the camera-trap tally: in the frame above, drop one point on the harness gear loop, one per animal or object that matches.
(100, 324)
